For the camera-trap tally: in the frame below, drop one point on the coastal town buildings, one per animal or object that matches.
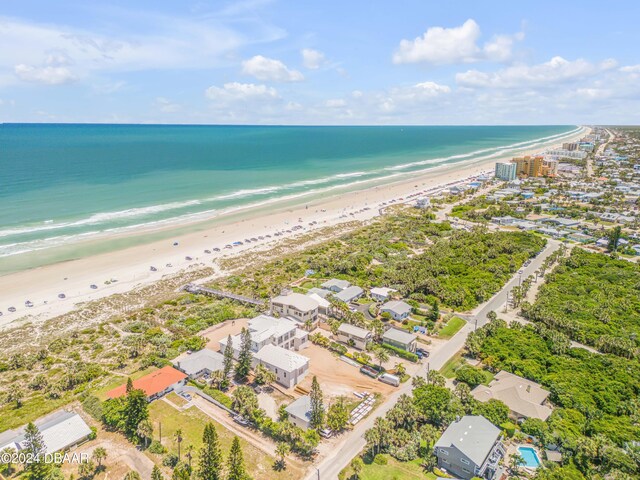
(506, 171)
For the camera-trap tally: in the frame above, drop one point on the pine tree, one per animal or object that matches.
(235, 464)
(228, 362)
(156, 474)
(244, 358)
(210, 457)
(35, 448)
(136, 409)
(129, 385)
(317, 407)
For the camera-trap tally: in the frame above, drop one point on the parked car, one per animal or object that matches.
(389, 379)
(241, 420)
(368, 371)
(423, 352)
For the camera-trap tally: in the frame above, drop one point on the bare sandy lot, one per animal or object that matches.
(337, 377)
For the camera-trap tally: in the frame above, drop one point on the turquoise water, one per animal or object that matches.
(530, 457)
(61, 184)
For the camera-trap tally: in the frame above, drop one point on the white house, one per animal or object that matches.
(381, 294)
(400, 339)
(296, 305)
(353, 335)
(349, 294)
(289, 367)
(299, 412)
(323, 303)
(197, 364)
(266, 330)
(336, 285)
(398, 310)
(60, 431)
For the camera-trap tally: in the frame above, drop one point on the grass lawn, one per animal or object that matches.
(32, 408)
(394, 470)
(176, 399)
(449, 368)
(451, 328)
(192, 422)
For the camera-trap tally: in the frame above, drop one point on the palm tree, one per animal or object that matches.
(99, 454)
(400, 369)
(178, 438)
(145, 431)
(381, 355)
(189, 454)
(357, 465)
(217, 377)
(282, 450)
(514, 464)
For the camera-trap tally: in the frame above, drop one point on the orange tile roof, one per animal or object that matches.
(151, 384)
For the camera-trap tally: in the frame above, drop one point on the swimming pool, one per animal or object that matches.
(530, 457)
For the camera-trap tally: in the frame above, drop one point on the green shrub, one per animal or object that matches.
(157, 447)
(170, 460)
(412, 357)
(380, 459)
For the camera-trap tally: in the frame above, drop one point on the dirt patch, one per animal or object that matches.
(223, 330)
(337, 377)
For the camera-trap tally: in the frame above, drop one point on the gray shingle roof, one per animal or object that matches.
(473, 435)
(399, 336)
(197, 361)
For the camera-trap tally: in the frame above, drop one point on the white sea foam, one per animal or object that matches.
(380, 175)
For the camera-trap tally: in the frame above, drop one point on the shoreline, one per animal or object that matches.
(131, 266)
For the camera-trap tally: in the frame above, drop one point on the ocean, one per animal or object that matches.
(64, 185)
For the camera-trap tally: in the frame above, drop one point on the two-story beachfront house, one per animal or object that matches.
(470, 447)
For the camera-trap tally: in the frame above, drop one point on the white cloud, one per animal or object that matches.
(312, 59)
(440, 46)
(630, 69)
(269, 69)
(49, 75)
(335, 103)
(241, 92)
(166, 106)
(557, 70)
(499, 49)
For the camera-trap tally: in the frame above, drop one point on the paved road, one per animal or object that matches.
(354, 442)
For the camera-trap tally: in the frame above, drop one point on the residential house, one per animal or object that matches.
(525, 399)
(60, 431)
(349, 294)
(296, 305)
(353, 335)
(323, 303)
(289, 367)
(400, 339)
(267, 330)
(200, 363)
(336, 285)
(398, 309)
(299, 412)
(381, 294)
(321, 292)
(155, 384)
(470, 447)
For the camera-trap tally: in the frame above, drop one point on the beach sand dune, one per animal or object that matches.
(184, 259)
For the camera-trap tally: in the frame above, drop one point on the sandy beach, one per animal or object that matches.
(131, 268)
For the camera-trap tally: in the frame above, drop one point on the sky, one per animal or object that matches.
(349, 62)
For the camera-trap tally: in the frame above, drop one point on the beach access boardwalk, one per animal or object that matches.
(198, 290)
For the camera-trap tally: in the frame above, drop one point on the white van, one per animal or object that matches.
(390, 379)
